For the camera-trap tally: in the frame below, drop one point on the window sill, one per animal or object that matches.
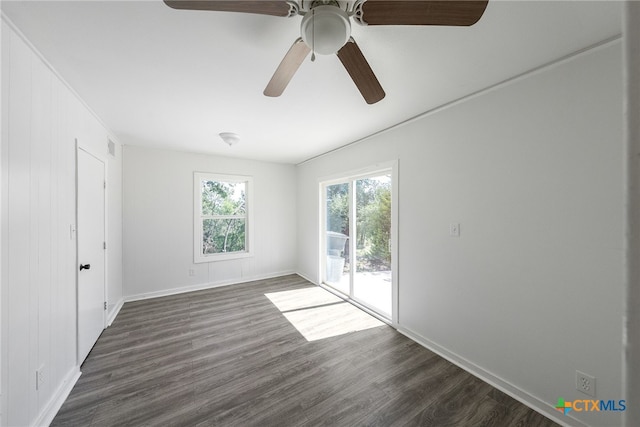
(221, 257)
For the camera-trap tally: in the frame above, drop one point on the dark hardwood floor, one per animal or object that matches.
(228, 357)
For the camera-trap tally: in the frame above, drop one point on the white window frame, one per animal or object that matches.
(198, 256)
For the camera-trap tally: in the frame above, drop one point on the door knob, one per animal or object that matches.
(85, 267)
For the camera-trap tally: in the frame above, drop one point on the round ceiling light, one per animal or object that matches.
(230, 138)
(325, 29)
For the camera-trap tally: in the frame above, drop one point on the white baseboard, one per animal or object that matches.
(495, 381)
(308, 279)
(52, 407)
(201, 286)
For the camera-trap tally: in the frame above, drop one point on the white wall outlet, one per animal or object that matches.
(40, 377)
(586, 383)
(454, 229)
(192, 272)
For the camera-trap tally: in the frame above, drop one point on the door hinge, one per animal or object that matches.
(105, 305)
(104, 245)
(105, 184)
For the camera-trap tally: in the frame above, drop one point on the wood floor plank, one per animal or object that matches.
(229, 357)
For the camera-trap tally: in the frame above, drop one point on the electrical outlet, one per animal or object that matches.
(586, 383)
(192, 272)
(454, 229)
(40, 377)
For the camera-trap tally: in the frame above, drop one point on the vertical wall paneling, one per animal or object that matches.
(41, 118)
(41, 170)
(19, 380)
(631, 374)
(3, 108)
(3, 215)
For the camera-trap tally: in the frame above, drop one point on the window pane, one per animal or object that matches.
(337, 228)
(372, 278)
(223, 198)
(338, 208)
(373, 223)
(223, 235)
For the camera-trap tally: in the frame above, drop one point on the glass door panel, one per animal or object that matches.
(372, 243)
(337, 236)
(357, 240)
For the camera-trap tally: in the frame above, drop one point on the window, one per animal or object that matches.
(222, 224)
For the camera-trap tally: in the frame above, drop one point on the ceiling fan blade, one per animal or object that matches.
(422, 12)
(262, 7)
(287, 68)
(361, 73)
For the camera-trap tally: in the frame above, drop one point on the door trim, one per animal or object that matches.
(104, 253)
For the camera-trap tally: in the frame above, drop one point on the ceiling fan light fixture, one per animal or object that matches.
(230, 138)
(325, 29)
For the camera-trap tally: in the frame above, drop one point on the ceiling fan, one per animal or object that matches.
(326, 29)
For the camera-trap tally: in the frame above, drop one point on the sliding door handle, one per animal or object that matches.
(85, 267)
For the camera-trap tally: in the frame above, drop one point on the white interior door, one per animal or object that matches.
(91, 251)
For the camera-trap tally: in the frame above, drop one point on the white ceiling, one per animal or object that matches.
(165, 78)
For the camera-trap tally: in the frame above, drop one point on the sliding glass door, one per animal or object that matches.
(358, 237)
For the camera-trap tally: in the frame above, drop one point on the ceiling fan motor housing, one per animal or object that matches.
(325, 29)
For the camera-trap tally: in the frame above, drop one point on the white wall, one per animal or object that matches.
(632, 116)
(2, 137)
(532, 290)
(41, 120)
(158, 222)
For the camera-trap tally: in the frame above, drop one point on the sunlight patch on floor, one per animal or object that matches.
(318, 314)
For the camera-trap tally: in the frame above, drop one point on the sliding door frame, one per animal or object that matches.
(350, 177)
